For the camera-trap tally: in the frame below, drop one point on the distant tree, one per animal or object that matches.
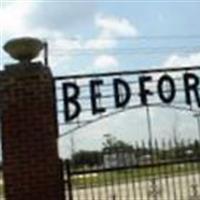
(183, 150)
(86, 158)
(111, 143)
(194, 148)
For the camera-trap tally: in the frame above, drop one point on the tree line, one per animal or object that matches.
(157, 151)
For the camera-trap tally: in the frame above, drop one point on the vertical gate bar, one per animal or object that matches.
(112, 183)
(165, 169)
(197, 116)
(126, 175)
(193, 174)
(135, 163)
(69, 181)
(149, 125)
(172, 157)
(160, 173)
(139, 175)
(187, 168)
(144, 171)
(119, 195)
(99, 177)
(179, 176)
(198, 161)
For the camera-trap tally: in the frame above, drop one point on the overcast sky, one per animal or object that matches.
(96, 36)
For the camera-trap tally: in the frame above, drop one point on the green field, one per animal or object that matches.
(137, 174)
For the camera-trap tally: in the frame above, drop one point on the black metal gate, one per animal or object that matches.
(151, 169)
(159, 171)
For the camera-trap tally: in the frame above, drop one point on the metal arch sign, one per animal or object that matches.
(119, 90)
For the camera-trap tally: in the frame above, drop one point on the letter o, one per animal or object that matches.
(172, 89)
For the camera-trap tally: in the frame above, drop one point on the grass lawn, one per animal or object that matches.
(137, 174)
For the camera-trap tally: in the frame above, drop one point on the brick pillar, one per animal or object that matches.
(32, 170)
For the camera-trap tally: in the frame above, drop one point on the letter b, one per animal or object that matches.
(71, 100)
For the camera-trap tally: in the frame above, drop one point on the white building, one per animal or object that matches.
(119, 159)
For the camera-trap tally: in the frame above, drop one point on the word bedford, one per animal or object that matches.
(72, 92)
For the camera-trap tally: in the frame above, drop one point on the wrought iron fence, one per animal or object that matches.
(145, 171)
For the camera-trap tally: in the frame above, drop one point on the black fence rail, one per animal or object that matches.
(153, 171)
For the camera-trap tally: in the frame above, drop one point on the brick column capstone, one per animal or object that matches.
(32, 170)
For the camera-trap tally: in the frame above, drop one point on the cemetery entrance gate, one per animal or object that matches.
(149, 169)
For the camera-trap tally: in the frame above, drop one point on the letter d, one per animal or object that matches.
(123, 101)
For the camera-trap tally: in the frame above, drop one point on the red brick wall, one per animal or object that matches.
(29, 133)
